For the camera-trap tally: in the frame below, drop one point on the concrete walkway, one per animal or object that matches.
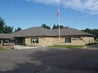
(24, 47)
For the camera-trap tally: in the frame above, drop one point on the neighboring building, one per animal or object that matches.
(6, 39)
(38, 36)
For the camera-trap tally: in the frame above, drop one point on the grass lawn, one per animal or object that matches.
(96, 41)
(2, 49)
(67, 46)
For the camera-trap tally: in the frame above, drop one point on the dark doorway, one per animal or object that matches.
(20, 41)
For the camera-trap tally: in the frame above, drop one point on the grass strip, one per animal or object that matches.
(67, 46)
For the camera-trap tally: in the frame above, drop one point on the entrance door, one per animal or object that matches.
(20, 41)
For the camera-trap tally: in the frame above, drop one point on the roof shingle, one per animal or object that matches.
(6, 36)
(39, 31)
(70, 32)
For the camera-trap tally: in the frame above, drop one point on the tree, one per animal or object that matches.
(7, 29)
(4, 28)
(57, 26)
(92, 31)
(87, 30)
(18, 29)
(45, 26)
(54, 26)
(1, 25)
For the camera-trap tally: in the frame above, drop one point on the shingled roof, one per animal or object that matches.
(34, 31)
(70, 32)
(39, 31)
(6, 36)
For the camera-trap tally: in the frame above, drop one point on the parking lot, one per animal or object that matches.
(48, 60)
(94, 46)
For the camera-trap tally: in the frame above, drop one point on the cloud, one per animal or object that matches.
(88, 6)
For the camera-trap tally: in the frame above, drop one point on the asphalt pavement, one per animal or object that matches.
(48, 60)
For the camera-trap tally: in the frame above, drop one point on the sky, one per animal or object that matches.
(79, 14)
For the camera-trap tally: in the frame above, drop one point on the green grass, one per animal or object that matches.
(96, 41)
(67, 46)
(2, 49)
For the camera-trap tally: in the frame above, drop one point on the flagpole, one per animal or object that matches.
(58, 20)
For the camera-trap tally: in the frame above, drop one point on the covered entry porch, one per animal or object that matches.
(6, 42)
(6, 39)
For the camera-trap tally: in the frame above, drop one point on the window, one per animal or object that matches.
(5, 41)
(34, 40)
(67, 40)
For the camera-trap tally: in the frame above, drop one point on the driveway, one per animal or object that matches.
(48, 60)
(94, 46)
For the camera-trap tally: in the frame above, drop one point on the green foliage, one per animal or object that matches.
(92, 31)
(54, 26)
(4, 28)
(45, 26)
(8, 29)
(96, 41)
(18, 29)
(57, 26)
(1, 25)
(3, 49)
(68, 46)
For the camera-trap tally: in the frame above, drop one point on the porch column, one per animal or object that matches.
(1, 42)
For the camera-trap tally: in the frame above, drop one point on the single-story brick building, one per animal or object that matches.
(44, 37)
(38, 36)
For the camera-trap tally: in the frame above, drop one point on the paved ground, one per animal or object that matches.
(42, 60)
(94, 46)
